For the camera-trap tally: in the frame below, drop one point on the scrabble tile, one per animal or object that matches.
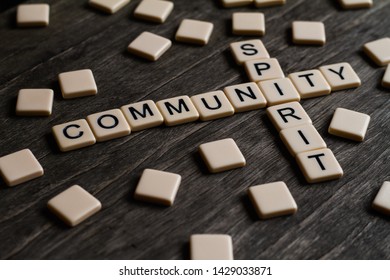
(73, 135)
(212, 105)
(154, 10)
(340, 76)
(158, 187)
(149, 46)
(194, 32)
(34, 102)
(32, 15)
(74, 205)
(319, 166)
(245, 97)
(19, 167)
(386, 78)
(279, 91)
(177, 110)
(272, 200)
(308, 32)
(235, 3)
(222, 155)
(211, 247)
(310, 83)
(77, 83)
(248, 24)
(267, 3)
(356, 4)
(142, 115)
(248, 50)
(379, 51)
(301, 139)
(263, 69)
(288, 115)
(108, 6)
(349, 124)
(108, 125)
(381, 202)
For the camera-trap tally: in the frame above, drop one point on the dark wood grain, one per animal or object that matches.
(334, 220)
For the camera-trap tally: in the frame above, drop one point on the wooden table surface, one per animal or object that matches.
(334, 220)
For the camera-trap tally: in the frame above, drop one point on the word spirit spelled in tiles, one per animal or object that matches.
(212, 105)
(211, 247)
(308, 32)
(263, 69)
(310, 83)
(194, 32)
(379, 51)
(349, 124)
(245, 97)
(32, 15)
(340, 76)
(77, 83)
(142, 115)
(279, 91)
(386, 78)
(268, 3)
(34, 102)
(356, 4)
(381, 202)
(235, 3)
(248, 50)
(177, 110)
(154, 10)
(108, 6)
(149, 46)
(248, 24)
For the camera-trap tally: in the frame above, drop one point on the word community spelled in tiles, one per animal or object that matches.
(74, 205)
(235, 3)
(379, 51)
(308, 32)
(77, 83)
(142, 115)
(245, 97)
(248, 24)
(263, 69)
(381, 202)
(34, 102)
(267, 3)
(279, 91)
(310, 83)
(211, 247)
(212, 105)
(356, 4)
(222, 155)
(272, 200)
(177, 110)
(149, 46)
(108, 6)
(349, 124)
(319, 166)
(340, 76)
(248, 50)
(154, 10)
(19, 167)
(32, 15)
(157, 187)
(386, 78)
(194, 32)
(73, 135)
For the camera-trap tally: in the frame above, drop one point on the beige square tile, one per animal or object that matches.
(278, 91)
(356, 4)
(245, 97)
(301, 139)
(73, 135)
(212, 105)
(74, 205)
(34, 102)
(288, 115)
(340, 76)
(310, 83)
(263, 69)
(235, 3)
(308, 32)
(379, 51)
(319, 166)
(154, 10)
(108, 6)
(177, 110)
(222, 155)
(248, 50)
(249, 24)
(158, 187)
(149, 46)
(32, 15)
(194, 32)
(108, 125)
(386, 78)
(272, 200)
(267, 3)
(19, 167)
(211, 247)
(349, 124)
(77, 83)
(142, 115)
(381, 202)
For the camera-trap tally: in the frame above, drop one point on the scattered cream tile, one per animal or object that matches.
(34, 102)
(248, 50)
(263, 69)
(212, 105)
(108, 6)
(245, 97)
(308, 32)
(340, 76)
(310, 83)
(142, 115)
(386, 78)
(381, 202)
(32, 15)
(349, 124)
(149, 46)
(77, 83)
(278, 91)
(248, 24)
(379, 51)
(235, 3)
(154, 10)
(194, 32)
(177, 110)
(267, 3)
(356, 4)
(211, 247)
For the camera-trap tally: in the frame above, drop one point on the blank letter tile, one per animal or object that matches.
(248, 24)
(235, 3)
(77, 83)
(157, 187)
(19, 167)
(212, 105)
(74, 205)
(73, 135)
(154, 10)
(310, 83)
(319, 166)
(263, 69)
(381, 202)
(32, 15)
(267, 3)
(340, 76)
(211, 247)
(386, 78)
(356, 4)
(379, 51)
(149, 46)
(142, 115)
(194, 32)
(108, 125)
(279, 91)
(272, 200)
(349, 124)
(222, 155)
(177, 110)
(34, 102)
(248, 50)
(108, 6)
(245, 97)
(308, 32)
